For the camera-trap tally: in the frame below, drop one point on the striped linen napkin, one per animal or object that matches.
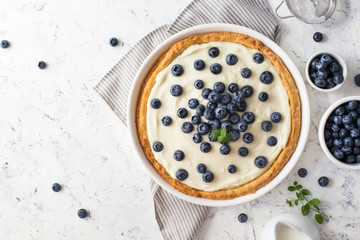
(115, 86)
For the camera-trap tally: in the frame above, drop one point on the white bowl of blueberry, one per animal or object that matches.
(339, 133)
(326, 71)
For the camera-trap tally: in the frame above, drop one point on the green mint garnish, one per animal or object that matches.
(306, 205)
(221, 135)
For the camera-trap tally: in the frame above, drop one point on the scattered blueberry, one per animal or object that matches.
(238, 96)
(201, 168)
(234, 118)
(56, 187)
(200, 110)
(177, 70)
(216, 68)
(323, 181)
(248, 117)
(197, 138)
(242, 126)
(263, 96)
(193, 103)
(231, 59)
(182, 113)
(231, 169)
(4, 44)
(205, 92)
(266, 77)
(214, 124)
(247, 90)
(227, 125)
(243, 218)
(258, 58)
(234, 134)
(41, 65)
(225, 149)
(113, 41)
(179, 155)
(205, 147)
(243, 151)
(302, 172)
(233, 87)
(248, 138)
(155, 103)
(203, 128)
(241, 106)
(318, 37)
(198, 84)
(166, 121)
(231, 108)
(357, 80)
(199, 64)
(225, 98)
(214, 97)
(272, 141)
(266, 126)
(82, 213)
(158, 147)
(213, 52)
(209, 114)
(176, 90)
(187, 127)
(260, 162)
(245, 72)
(196, 119)
(219, 87)
(181, 174)
(275, 117)
(208, 176)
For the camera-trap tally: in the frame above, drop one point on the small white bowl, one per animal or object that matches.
(351, 166)
(341, 62)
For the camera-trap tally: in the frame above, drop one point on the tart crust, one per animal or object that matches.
(294, 103)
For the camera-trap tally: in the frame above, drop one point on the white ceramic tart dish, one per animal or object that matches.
(289, 99)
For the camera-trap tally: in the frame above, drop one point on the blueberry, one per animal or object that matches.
(247, 90)
(203, 128)
(209, 114)
(182, 113)
(233, 87)
(335, 135)
(193, 103)
(214, 52)
(267, 126)
(113, 41)
(313, 75)
(241, 106)
(234, 134)
(238, 96)
(337, 120)
(358, 122)
(263, 96)
(334, 67)
(350, 158)
(258, 58)
(350, 126)
(231, 59)
(225, 149)
(181, 174)
(196, 119)
(352, 105)
(338, 78)
(357, 158)
(347, 150)
(272, 141)
(179, 155)
(199, 64)
(214, 124)
(319, 82)
(323, 181)
(248, 138)
(322, 74)
(276, 117)
(242, 218)
(321, 66)
(245, 72)
(227, 125)
(219, 87)
(216, 68)
(225, 98)
(242, 126)
(166, 121)
(347, 119)
(357, 142)
(234, 118)
(41, 65)
(327, 134)
(56, 187)
(248, 117)
(266, 77)
(338, 154)
(356, 150)
(176, 90)
(4, 44)
(318, 37)
(82, 213)
(231, 169)
(243, 151)
(220, 112)
(201, 168)
(329, 143)
(343, 133)
(158, 147)
(348, 142)
(200, 110)
(214, 97)
(357, 80)
(231, 108)
(355, 132)
(339, 111)
(338, 143)
(177, 70)
(313, 63)
(155, 103)
(260, 162)
(354, 114)
(187, 127)
(208, 177)
(212, 139)
(198, 84)
(197, 138)
(326, 58)
(211, 105)
(302, 172)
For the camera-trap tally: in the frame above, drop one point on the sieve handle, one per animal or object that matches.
(277, 14)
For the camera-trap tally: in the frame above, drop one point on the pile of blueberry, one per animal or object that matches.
(325, 71)
(342, 132)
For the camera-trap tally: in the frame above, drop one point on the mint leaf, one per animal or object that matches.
(305, 192)
(291, 188)
(215, 133)
(314, 202)
(220, 139)
(295, 183)
(305, 209)
(223, 131)
(319, 218)
(300, 196)
(296, 202)
(298, 187)
(288, 202)
(226, 138)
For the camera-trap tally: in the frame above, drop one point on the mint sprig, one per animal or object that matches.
(221, 135)
(307, 205)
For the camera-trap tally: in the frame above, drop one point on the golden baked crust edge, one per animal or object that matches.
(294, 103)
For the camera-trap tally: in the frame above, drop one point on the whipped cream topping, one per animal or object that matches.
(173, 138)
